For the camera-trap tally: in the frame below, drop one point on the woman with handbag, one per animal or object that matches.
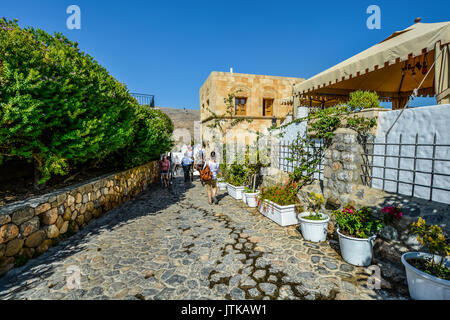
(209, 177)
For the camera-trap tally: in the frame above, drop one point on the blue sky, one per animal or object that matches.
(168, 48)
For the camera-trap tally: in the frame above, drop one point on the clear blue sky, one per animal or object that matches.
(168, 48)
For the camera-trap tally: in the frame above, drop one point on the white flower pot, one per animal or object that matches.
(314, 230)
(423, 286)
(222, 185)
(244, 198)
(251, 199)
(235, 192)
(283, 215)
(356, 251)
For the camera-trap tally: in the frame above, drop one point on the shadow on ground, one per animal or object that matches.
(42, 267)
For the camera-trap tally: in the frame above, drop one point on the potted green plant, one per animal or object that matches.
(280, 203)
(428, 274)
(314, 224)
(236, 178)
(357, 231)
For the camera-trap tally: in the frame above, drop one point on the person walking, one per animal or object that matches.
(164, 165)
(186, 162)
(211, 185)
(171, 170)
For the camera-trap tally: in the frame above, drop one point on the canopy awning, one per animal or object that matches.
(393, 68)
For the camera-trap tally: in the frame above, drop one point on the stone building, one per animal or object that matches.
(263, 100)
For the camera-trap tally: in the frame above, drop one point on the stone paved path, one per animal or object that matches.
(164, 245)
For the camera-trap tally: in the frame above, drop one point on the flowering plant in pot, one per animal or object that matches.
(314, 224)
(280, 203)
(391, 215)
(356, 231)
(428, 274)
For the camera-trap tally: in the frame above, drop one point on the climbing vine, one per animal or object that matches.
(322, 124)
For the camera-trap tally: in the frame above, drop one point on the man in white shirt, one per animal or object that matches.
(186, 162)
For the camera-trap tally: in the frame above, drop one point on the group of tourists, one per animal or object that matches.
(208, 170)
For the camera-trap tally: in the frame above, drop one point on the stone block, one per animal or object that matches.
(64, 227)
(4, 219)
(67, 214)
(50, 216)
(59, 222)
(52, 231)
(8, 232)
(30, 226)
(44, 246)
(335, 155)
(70, 200)
(13, 247)
(42, 208)
(348, 157)
(22, 215)
(35, 239)
(349, 138)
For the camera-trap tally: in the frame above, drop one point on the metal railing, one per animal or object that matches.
(368, 165)
(144, 99)
(289, 160)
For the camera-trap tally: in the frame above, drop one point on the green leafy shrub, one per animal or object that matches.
(59, 108)
(237, 174)
(153, 136)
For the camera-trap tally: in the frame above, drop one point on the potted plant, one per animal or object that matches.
(314, 224)
(280, 203)
(251, 197)
(235, 181)
(428, 274)
(357, 231)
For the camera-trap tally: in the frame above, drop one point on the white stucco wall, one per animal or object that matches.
(424, 121)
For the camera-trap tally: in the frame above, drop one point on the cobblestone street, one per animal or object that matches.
(163, 245)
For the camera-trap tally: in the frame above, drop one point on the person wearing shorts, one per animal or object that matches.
(164, 165)
(211, 185)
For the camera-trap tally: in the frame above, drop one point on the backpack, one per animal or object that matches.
(206, 174)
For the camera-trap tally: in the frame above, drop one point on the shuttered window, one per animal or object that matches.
(267, 107)
(240, 106)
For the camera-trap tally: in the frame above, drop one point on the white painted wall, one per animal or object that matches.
(424, 121)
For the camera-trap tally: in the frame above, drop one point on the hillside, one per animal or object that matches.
(182, 119)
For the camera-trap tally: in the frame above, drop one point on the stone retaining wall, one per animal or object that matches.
(28, 228)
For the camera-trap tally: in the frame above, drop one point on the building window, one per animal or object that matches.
(240, 104)
(267, 107)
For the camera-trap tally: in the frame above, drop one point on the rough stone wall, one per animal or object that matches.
(28, 228)
(342, 166)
